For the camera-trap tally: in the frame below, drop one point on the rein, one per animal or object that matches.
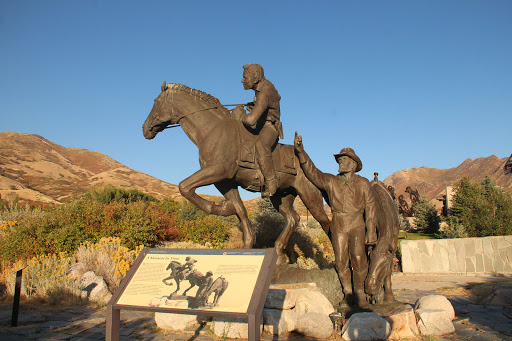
(190, 113)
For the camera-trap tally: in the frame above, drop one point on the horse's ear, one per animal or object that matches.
(164, 86)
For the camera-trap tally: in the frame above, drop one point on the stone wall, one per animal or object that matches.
(462, 255)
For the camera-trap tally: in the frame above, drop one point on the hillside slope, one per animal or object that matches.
(41, 171)
(432, 182)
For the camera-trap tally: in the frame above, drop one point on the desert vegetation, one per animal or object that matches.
(105, 230)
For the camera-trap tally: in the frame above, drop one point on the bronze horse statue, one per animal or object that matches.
(226, 158)
(378, 280)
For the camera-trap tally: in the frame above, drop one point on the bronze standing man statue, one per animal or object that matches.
(352, 200)
(264, 119)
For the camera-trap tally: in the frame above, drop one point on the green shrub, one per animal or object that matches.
(135, 222)
(209, 230)
(69, 237)
(189, 212)
(454, 230)
(109, 194)
(169, 205)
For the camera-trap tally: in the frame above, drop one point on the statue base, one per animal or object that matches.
(326, 280)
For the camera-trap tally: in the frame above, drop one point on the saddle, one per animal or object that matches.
(283, 156)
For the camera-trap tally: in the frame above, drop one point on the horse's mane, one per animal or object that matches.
(201, 95)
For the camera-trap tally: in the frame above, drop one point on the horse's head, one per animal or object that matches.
(162, 114)
(381, 259)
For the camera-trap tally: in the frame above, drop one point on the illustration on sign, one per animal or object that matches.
(206, 280)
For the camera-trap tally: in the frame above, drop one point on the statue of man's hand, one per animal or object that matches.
(297, 143)
(371, 238)
(238, 112)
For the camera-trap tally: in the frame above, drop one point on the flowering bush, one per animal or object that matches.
(45, 277)
(310, 249)
(107, 259)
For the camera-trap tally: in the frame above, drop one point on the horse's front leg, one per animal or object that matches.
(204, 177)
(388, 292)
(166, 279)
(230, 192)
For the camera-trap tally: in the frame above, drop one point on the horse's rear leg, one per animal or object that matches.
(284, 204)
(185, 292)
(230, 192)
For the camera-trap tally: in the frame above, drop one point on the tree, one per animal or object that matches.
(426, 216)
(483, 208)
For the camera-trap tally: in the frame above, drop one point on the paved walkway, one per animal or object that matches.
(473, 322)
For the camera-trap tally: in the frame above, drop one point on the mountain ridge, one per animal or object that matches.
(43, 172)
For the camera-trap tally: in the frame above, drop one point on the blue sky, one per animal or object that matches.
(405, 83)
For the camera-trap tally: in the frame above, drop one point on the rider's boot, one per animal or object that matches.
(270, 187)
(269, 174)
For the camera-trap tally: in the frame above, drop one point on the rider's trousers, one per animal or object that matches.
(267, 137)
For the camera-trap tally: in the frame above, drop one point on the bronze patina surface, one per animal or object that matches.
(364, 215)
(239, 149)
(227, 160)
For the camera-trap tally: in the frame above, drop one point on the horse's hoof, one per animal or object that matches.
(389, 298)
(281, 259)
(248, 243)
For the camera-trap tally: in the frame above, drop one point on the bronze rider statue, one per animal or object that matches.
(264, 119)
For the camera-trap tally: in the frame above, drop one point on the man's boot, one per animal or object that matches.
(346, 284)
(360, 295)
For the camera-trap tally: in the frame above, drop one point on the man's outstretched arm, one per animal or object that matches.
(317, 177)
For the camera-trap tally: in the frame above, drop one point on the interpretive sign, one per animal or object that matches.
(227, 283)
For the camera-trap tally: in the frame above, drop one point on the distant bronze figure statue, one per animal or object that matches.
(508, 165)
(403, 206)
(353, 206)
(414, 195)
(391, 191)
(227, 160)
(378, 281)
(264, 120)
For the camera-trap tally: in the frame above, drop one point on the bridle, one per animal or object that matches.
(194, 112)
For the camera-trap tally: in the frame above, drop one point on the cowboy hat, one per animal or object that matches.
(351, 154)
